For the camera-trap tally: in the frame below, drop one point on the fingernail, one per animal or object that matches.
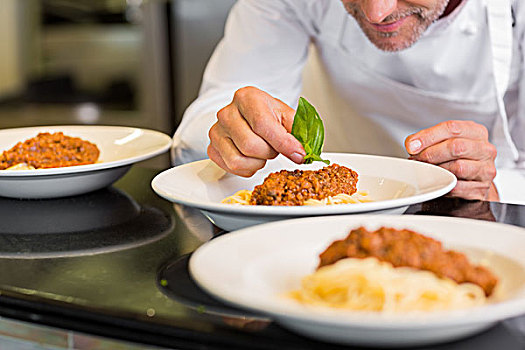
(414, 146)
(296, 157)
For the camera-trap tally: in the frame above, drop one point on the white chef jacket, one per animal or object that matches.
(466, 66)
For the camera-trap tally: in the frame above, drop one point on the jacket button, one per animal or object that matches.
(469, 28)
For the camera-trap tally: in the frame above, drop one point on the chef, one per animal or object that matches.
(443, 78)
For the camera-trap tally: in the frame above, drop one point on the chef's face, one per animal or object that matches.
(394, 25)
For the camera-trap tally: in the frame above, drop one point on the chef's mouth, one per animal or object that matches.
(391, 26)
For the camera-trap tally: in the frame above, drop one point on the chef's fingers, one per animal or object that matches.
(215, 156)
(271, 119)
(417, 142)
(475, 190)
(457, 148)
(472, 170)
(237, 128)
(232, 159)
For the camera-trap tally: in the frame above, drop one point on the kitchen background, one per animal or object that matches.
(109, 62)
(136, 63)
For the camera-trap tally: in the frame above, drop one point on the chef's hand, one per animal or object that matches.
(462, 147)
(253, 128)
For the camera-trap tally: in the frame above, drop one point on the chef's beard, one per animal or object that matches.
(407, 34)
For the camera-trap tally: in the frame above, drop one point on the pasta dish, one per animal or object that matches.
(333, 184)
(48, 150)
(391, 270)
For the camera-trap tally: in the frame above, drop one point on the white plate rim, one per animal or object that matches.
(88, 167)
(261, 210)
(484, 314)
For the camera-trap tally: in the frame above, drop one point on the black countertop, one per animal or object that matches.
(93, 263)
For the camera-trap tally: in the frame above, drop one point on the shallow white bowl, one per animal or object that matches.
(392, 184)
(120, 148)
(254, 268)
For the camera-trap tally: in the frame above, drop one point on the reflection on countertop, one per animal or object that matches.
(99, 222)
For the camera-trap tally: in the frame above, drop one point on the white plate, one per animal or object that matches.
(392, 183)
(254, 267)
(120, 148)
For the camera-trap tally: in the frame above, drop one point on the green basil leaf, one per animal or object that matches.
(308, 129)
(313, 157)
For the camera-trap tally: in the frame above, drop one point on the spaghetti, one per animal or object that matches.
(243, 197)
(372, 285)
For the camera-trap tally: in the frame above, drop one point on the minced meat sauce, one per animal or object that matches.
(295, 187)
(410, 249)
(48, 150)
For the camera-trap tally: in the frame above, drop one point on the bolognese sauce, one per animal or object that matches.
(50, 150)
(410, 249)
(295, 187)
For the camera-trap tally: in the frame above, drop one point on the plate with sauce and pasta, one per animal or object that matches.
(60, 161)
(352, 183)
(375, 280)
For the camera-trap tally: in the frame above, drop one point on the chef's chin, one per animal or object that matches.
(392, 42)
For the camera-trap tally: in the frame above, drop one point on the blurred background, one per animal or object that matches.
(107, 62)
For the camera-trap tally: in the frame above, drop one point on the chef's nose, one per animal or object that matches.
(376, 10)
